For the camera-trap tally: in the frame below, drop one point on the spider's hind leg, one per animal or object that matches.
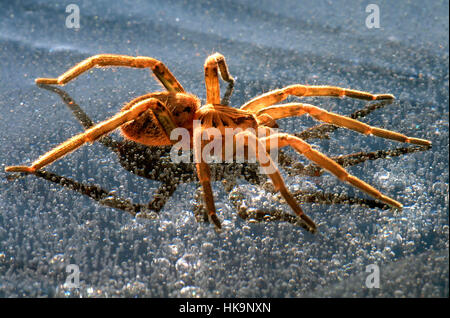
(89, 135)
(283, 139)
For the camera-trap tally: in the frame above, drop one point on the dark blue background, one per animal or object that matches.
(268, 45)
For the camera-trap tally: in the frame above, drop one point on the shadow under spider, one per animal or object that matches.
(148, 162)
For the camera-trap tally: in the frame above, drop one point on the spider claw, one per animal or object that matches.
(19, 169)
(384, 96)
(46, 81)
(308, 224)
(214, 219)
(419, 141)
(393, 203)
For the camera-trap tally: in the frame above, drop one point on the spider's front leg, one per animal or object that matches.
(258, 149)
(254, 146)
(91, 134)
(297, 109)
(161, 72)
(278, 95)
(204, 176)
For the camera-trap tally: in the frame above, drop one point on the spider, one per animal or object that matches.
(151, 118)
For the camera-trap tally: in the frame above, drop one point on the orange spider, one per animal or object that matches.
(150, 119)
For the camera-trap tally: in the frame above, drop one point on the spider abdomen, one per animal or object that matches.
(147, 130)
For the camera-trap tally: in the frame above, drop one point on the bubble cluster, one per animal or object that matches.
(45, 227)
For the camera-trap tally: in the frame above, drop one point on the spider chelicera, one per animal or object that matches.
(151, 118)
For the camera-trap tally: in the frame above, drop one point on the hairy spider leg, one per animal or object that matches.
(297, 109)
(278, 95)
(213, 64)
(257, 146)
(204, 175)
(161, 72)
(283, 140)
(254, 144)
(95, 132)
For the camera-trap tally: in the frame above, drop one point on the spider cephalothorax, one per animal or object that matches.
(150, 119)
